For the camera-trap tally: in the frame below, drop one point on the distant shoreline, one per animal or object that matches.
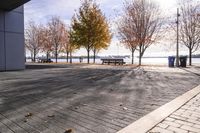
(99, 57)
(163, 57)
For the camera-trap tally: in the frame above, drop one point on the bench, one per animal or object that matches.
(113, 61)
(45, 61)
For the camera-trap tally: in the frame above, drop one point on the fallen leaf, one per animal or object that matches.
(51, 115)
(29, 115)
(125, 108)
(69, 131)
(26, 120)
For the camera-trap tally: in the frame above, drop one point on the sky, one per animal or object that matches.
(42, 10)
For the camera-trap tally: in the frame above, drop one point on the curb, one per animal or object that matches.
(150, 120)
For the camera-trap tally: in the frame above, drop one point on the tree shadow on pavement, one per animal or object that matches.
(190, 71)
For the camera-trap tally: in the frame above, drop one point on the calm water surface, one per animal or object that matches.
(156, 61)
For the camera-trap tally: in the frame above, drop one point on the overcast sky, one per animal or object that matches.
(41, 10)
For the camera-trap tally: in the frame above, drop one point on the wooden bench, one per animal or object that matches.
(113, 61)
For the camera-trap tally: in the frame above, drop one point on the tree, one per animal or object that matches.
(189, 26)
(46, 40)
(140, 25)
(126, 35)
(68, 46)
(90, 28)
(73, 41)
(66, 43)
(33, 38)
(101, 33)
(56, 28)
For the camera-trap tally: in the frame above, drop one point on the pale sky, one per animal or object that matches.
(41, 10)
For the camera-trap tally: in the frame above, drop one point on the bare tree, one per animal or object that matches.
(33, 38)
(189, 26)
(56, 28)
(140, 25)
(126, 35)
(47, 44)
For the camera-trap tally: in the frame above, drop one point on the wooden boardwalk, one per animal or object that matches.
(85, 100)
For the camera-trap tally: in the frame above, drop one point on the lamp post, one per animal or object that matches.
(177, 44)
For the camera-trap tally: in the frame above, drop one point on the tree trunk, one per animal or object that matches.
(140, 56)
(25, 55)
(56, 53)
(190, 56)
(88, 56)
(67, 56)
(94, 57)
(34, 55)
(132, 55)
(47, 55)
(31, 56)
(70, 57)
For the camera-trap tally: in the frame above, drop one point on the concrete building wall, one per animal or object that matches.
(12, 40)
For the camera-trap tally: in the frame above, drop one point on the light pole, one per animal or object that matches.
(177, 44)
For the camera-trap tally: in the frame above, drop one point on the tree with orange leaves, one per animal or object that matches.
(47, 44)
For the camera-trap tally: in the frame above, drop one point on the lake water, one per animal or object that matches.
(151, 61)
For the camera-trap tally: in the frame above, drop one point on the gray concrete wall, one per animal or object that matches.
(12, 40)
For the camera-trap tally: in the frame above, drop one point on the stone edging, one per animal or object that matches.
(149, 121)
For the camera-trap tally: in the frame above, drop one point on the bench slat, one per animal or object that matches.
(115, 61)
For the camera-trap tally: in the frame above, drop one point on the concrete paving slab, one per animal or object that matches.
(147, 122)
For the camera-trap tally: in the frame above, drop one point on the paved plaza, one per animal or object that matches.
(87, 99)
(184, 120)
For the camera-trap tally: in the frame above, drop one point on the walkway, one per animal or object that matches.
(181, 115)
(87, 100)
(184, 120)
